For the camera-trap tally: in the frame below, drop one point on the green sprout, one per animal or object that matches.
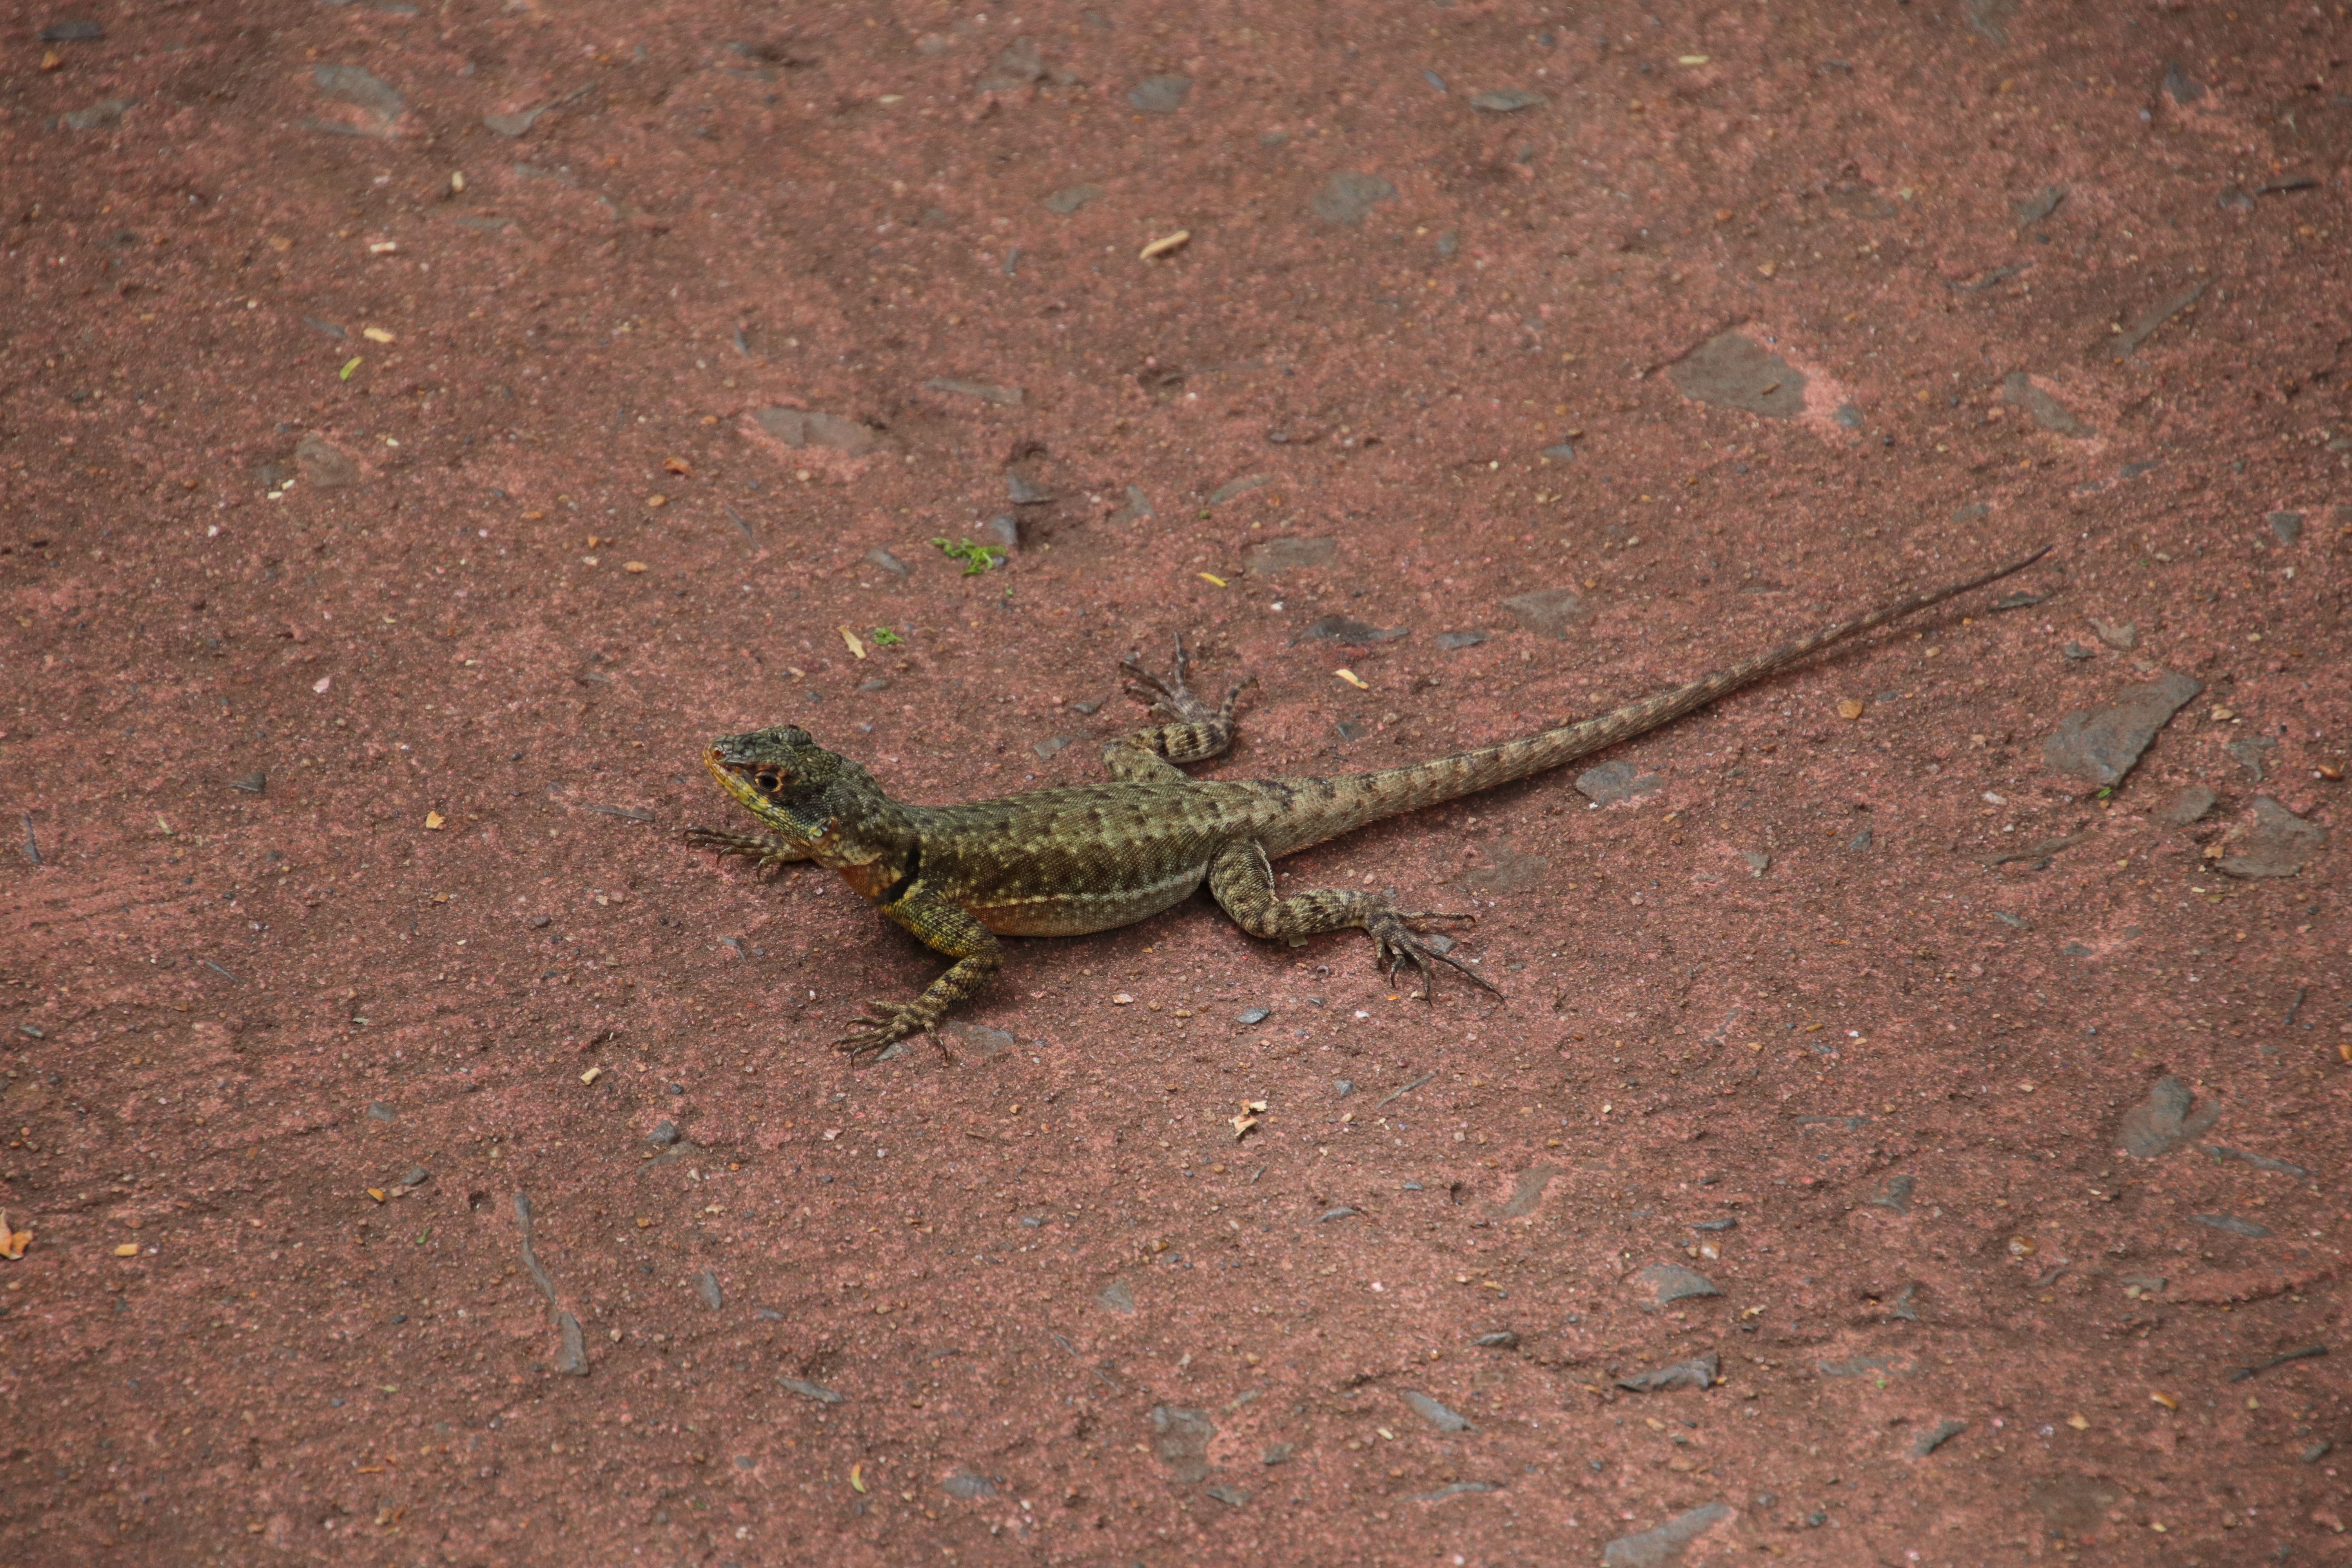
(976, 558)
(885, 637)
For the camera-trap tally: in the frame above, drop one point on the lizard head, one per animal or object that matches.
(789, 782)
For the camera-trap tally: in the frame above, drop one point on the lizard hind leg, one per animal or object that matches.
(1241, 880)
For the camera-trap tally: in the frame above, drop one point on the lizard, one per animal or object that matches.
(1071, 860)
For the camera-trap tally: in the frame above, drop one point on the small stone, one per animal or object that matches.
(254, 782)
(2275, 843)
(1936, 1436)
(1613, 781)
(1160, 94)
(1547, 612)
(1180, 1441)
(99, 115)
(2249, 752)
(541, 923)
(2121, 635)
(1254, 1015)
(1072, 198)
(2234, 199)
(1660, 1283)
(72, 31)
(1242, 486)
(1559, 452)
(379, 1111)
(1002, 396)
(875, 683)
(1047, 749)
(1137, 507)
(1507, 871)
(798, 428)
(1732, 370)
(1700, 1374)
(323, 465)
(1117, 1297)
(1279, 1454)
(1344, 1211)
(1342, 629)
(1858, 843)
(1343, 1087)
(1086, 709)
(2286, 527)
(1757, 861)
(881, 558)
(1232, 1497)
(1860, 1366)
(1507, 101)
(1348, 197)
(1288, 555)
(1500, 1340)
(2019, 391)
(360, 88)
(571, 1347)
(808, 1390)
(2314, 1452)
(2186, 806)
(2039, 205)
(1455, 642)
(515, 124)
(1848, 416)
(2077, 652)
(1710, 1227)
(1015, 69)
(2233, 1224)
(2259, 1161)
(706, 1285)
(1437, 1414)
(1004, 529)
(1895, 1194)
(416, 1176)
(2179, 86)
(665, 1136)
(2163, 1123)
(1022, 493)
(1664, 1544)
(967, 1486)
(2100, 745)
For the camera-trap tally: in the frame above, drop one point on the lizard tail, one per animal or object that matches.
(1367, 798)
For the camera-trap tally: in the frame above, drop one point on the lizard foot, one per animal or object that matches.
(769, 850)
(870, 1036)
(1395, 944)
(1171, 696)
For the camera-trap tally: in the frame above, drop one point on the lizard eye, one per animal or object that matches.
(767, 781)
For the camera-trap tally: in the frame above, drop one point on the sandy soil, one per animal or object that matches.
(422, 426)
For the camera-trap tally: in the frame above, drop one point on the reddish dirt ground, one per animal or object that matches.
(425, 425)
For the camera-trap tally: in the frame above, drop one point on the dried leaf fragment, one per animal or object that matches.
(376, 1192)
(634, 566)
(1352, 679)
(13, 1242)
(1165, 244)
(1251, 1110)
(592, 1075)
(377, 335)
(128, 1249)
(1850, 708)
(1211, 578)
(675, 466)
(857, 649)
(435, 821)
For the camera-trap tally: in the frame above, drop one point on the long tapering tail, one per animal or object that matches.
(1367, 797)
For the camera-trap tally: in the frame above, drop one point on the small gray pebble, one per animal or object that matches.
(664, 1135)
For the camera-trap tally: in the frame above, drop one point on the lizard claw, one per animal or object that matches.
(1395, 944)
(870, 1036)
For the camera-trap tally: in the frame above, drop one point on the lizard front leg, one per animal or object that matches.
(1242, 882)
(1197, 734)
(943, 928)
(770, 849)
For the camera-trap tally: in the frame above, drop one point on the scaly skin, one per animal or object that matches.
(1063, 862)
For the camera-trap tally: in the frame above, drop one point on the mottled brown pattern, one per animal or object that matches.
(1063, 862)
